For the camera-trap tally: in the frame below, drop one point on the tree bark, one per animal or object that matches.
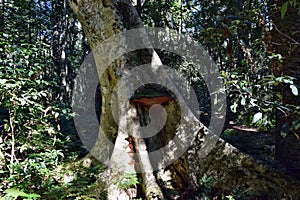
(230, 168)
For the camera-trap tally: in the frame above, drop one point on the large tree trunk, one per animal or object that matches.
(102, 19)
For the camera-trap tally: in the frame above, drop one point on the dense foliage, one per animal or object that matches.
(40, 50)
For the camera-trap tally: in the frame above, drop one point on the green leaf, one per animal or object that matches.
(127, 180)
(2, 81)
(6, 127)
(279, 96)
(43, 93)
(289, 81)
(233, 107)
(5, 35)
(257, 117)
(14, 193)
(30, 73)
(33, 196)
(284, 9)
(294, 90)
(229, 197)
(56, 115)
(22, 102)
(243, 101)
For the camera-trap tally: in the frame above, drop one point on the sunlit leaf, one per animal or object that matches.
(294, 90)
(2, 81)
(233, 107)
(243, 101)
(257, 117)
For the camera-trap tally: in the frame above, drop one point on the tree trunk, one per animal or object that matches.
(230, 168)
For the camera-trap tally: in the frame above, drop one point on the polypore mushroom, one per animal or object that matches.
(149, 101)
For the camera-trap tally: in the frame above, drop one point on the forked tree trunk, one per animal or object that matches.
(102, 19)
